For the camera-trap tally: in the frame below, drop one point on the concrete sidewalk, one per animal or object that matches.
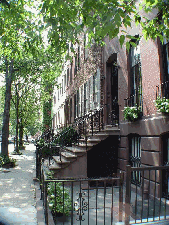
(18, 191)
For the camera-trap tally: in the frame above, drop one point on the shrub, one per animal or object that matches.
(132, 113)
(162, 105)
(58, 207)
(7, 160)
(58, 198)
(66, 137)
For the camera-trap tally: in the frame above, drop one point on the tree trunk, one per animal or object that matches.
(21, 134)
(6, 115)
(17, 119)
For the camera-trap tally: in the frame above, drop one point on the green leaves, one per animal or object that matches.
(121, 40)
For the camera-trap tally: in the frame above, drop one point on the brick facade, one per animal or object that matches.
(152, 125)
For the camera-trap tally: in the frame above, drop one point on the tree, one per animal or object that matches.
(18, 35)
(66, 19)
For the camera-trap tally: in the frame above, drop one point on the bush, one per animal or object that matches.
(58, 208)
(162, 105)
(132, 113)
(66, 137)
(7, 160)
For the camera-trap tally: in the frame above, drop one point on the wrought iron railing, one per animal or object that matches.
(77, 201)
(162, 90)
(134, 100)
(104, 200)
(147, 203)
(93, 122)
(86, 126)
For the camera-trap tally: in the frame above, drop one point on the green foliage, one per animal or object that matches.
(47, 120)
(132, 113)
(6, 159)
(58, 198)
(162, 104)
(66, 19)
(66, 137)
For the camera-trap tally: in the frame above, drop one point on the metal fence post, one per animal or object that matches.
(121, 196)
(45, 202)
(37, 161)
(128, 193)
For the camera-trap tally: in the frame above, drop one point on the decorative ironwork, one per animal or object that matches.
(80, 206)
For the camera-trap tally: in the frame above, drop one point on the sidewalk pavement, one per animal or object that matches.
(20, 202)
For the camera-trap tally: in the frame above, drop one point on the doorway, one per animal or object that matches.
(112, 91)
(102, 159)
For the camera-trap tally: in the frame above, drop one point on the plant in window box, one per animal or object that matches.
(132, 113)
(162, 105)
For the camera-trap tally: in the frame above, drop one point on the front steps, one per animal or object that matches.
(73, 161)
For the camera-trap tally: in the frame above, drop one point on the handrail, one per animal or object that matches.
(134, 100)
(93, 121)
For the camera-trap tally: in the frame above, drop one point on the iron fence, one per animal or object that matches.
(147, 202)
(83, 201)
(108, 200)
(134, 100)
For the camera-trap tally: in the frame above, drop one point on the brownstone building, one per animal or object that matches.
(111, 78)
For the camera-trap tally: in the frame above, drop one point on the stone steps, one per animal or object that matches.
(71, 155)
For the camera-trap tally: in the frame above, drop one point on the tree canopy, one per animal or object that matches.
(34, 35)
(101, 18)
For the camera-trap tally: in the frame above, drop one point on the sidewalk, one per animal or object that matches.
(19, 193)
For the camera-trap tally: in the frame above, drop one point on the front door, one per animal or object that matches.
(112, 93)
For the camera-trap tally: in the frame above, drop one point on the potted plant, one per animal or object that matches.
(162, 105)
(132, 113)
(56, 202)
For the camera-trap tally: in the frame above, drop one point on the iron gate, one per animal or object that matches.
(76, 201)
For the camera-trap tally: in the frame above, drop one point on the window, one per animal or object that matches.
(96, 89)
(58, 94)
(135, 157)
(70, 110)
(135, 76)
(67, 76)
(91, 94)
(75, 105)
(62, 86)
(85, 100)
(78, 55)
(166, 68)
(54, 99)
(85, 46)
(75, 69)
(71, 73)
(82, 100)
(64, 82)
